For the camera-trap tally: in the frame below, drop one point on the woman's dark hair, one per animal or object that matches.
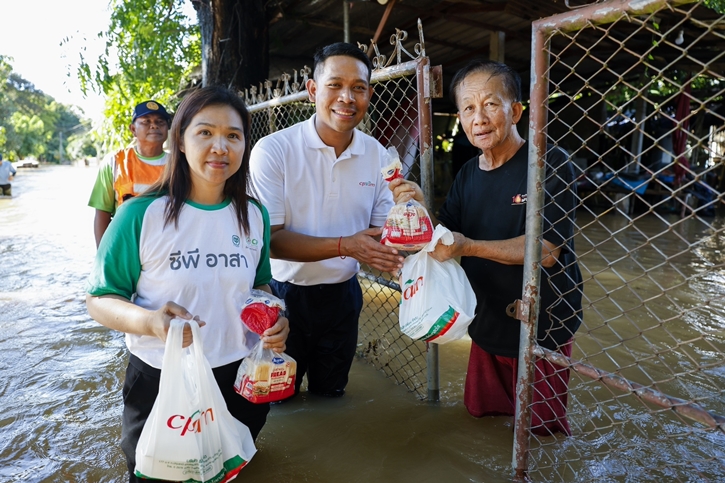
(176, 179)
(341, 48)
(511, 79)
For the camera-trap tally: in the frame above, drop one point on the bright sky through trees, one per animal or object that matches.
(33, 34)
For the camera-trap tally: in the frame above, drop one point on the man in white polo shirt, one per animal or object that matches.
(321, 182)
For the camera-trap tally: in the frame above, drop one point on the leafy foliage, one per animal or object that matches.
(151, 48)
(662, 89)
(32, 123)
(717, 5)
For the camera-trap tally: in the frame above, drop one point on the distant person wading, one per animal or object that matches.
(6, 176)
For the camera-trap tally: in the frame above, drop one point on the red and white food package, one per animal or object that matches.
(264, 375)
(408, 226)
(261, 311)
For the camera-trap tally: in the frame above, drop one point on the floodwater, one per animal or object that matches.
(61, 375)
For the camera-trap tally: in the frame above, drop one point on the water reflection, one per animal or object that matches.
(653, 312)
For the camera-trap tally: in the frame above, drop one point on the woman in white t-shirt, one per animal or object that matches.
(194, 246)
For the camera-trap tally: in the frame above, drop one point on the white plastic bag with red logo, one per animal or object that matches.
(190, 434)
(437, 303)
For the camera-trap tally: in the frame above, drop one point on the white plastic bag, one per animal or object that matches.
(437, 303)
(190, 434)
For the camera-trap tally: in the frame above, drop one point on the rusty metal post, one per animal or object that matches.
(346, 21)
(272, 118)
(496, 46)
(532, 256)
(425, 143)
(598, 13)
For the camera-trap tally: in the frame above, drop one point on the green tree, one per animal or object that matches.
(717, 5)
(151, 49)
(6, 109)
(32, 122)
(30, 135)
(154, 51)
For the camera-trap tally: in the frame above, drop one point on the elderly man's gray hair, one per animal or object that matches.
(511, 79)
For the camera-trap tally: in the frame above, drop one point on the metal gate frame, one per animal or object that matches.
(527, 309)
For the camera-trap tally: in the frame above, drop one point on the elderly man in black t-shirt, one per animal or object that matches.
(486, 210)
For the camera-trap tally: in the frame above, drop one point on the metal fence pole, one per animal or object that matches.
(346, 20)
(532, 269)
(425, 128)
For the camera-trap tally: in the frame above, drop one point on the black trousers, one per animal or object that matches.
(141, 388)
(323, 331)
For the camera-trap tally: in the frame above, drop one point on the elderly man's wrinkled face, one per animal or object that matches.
(488, 116)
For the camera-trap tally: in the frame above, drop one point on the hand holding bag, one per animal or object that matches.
(190, 436)
(437, 303)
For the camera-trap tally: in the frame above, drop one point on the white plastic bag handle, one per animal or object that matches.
(440, 233)
(196, 382)
(174, 340)
(193, 360)
(196, 343)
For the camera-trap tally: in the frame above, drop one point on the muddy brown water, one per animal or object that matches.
(61, 375)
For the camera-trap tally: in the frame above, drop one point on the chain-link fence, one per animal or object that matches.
(399, 116)
(634, 92)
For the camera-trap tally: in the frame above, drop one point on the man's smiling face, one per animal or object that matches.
(341, 93)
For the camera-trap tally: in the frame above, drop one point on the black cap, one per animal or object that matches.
(150, 107)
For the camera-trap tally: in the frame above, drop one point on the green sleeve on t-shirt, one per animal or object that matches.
(264, 269)
(103, 196)
(117, 267)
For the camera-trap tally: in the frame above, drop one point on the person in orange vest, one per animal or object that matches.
(128, 172)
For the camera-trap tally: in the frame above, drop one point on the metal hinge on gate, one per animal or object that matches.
(518, 310)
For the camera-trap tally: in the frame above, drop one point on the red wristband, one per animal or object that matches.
(339, 253)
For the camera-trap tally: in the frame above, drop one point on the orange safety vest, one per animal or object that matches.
(131, 176)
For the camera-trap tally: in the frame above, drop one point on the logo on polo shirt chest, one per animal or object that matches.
(367, 184)
(252, 243)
